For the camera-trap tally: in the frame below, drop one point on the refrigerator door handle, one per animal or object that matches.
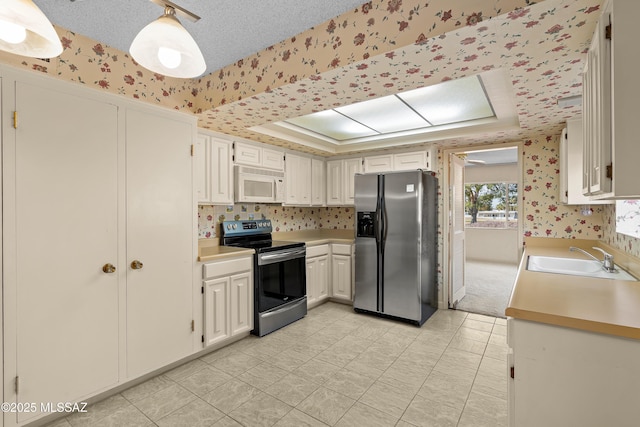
(382, 212)
(383, 232)
(376, 226)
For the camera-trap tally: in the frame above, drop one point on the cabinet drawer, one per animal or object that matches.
(340, 249)
(226, 268)
(313, 251)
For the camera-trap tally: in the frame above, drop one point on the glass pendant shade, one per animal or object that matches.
(165, 47)
(26, 31)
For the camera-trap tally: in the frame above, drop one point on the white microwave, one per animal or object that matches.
(255, 185)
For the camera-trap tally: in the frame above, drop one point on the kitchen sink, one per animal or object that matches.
(575, 267)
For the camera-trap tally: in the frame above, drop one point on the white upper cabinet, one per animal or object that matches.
(423, 159)
(610, 101)
(340, 181)
(305, 181)
(350, 169)
(245, 154)
(214, 170)
(334, 182)
(253, 155)
(413, 160)
(318, 182)
(221, 172)
(272, 159)
(571, 146)
(383, 163)
(298, 180)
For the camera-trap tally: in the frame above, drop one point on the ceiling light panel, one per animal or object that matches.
(385, 115)
(332, 124)
(450, 102)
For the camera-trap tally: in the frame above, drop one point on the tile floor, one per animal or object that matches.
(334, 367)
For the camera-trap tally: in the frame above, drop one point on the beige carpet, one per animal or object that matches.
(488, 287)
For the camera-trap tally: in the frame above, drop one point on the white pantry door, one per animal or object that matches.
(456, 231)
(160, 215)
(65, 231)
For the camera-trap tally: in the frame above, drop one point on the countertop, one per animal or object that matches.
(597, 305)
(317, 237)
(210, 250)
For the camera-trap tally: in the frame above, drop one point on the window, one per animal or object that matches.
(491, 205)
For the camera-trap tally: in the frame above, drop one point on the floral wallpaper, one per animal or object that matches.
(106, 69)
(283, 218)
(544, 215)
(383, 47)
(540, 46)
(376, 28)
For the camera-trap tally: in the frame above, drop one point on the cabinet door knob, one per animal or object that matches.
(136, 265)
(109, 268)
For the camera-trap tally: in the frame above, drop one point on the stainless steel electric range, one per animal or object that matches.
(280, 290)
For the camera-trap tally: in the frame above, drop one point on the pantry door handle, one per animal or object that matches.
(136, 265)
(109, 268)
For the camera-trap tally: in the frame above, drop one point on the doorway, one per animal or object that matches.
(480, 280)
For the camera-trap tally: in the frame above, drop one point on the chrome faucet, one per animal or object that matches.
(607, 262)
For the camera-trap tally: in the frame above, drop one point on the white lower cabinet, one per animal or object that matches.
(317, 274)
(228, 299)
(568, 377)
(342, 272)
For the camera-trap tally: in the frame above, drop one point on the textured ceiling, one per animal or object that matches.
(228, 30)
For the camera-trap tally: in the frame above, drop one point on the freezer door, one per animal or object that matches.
(401, 245)
(366, 257)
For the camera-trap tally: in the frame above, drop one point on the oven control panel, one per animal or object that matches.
(246, 227)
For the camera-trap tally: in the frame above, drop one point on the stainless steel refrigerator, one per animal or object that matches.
(396, 245)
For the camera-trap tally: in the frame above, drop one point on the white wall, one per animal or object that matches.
(490, 244)
(490, 174)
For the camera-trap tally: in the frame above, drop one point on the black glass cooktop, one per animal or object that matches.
(267, 245)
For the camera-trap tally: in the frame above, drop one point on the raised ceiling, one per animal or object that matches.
(541, 48)
(453, 108)
(228, 30)
(380, 49)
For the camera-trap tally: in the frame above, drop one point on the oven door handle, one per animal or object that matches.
(281, 256)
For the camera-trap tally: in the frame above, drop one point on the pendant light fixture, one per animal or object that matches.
(165, 47)
(26, 31)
